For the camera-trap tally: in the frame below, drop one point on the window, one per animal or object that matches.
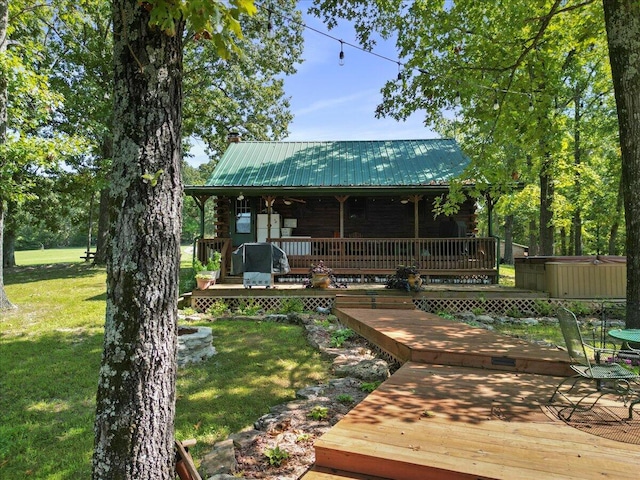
(243, 216)
(357, 208)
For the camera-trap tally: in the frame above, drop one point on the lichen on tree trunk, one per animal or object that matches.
(622, 18)
(136, 393)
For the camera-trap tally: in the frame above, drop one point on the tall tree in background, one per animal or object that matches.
(4, 23)
(505, 71)
(27, 144)
(136, 392)
(623, 32)
(245, 91)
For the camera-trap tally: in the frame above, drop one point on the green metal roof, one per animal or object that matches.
(339, 164)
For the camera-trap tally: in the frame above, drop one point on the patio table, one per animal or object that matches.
(628, 336)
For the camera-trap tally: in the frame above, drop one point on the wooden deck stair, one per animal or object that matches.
(431, 420)
(374, 301)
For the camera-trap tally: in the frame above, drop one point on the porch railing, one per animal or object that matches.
(435, 256)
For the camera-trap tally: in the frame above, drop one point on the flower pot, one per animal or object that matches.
(415, 281)
(204, 283)
(320, 280)
(214, 274)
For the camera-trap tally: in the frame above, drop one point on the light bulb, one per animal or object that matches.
(496, 105)
(341, 56)
(531, 106)
(458, 99)
(241, 197)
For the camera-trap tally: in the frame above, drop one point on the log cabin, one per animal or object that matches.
(362, 207)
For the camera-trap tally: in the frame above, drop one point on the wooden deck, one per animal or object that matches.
(438, 257)
(417, 336)
(455, 422)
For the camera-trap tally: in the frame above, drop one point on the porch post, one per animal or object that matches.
(342, 199)
(490, 214)
(268, 200)
(416, 226)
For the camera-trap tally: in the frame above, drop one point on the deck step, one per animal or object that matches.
(374, 302)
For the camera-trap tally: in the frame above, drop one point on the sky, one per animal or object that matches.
(333, 102)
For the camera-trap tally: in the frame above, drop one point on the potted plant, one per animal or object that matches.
(320, 275)
(207, 272)
(213, 266)
(405, 278)
(204, 280)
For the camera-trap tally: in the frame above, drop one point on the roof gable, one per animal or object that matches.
(388, 163)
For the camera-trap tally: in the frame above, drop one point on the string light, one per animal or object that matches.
(496, 105)
(458, 99)
(531, 105)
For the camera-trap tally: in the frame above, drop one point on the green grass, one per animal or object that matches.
(51, 348)
(507, 275)
(49, 256)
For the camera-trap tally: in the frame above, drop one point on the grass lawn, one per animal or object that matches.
(49, 256)
(50, 351)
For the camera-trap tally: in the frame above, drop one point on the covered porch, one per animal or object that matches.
(468, 260)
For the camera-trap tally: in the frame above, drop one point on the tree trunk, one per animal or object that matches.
(102, 237)
(546, 207)
(577, 160)
(615, 224)
(622, 18)
(8, 247)
(508, 240)
(5, 304)
(136, 392)
(9, 240)
(533, 239)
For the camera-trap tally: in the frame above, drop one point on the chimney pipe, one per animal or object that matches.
(233, 137)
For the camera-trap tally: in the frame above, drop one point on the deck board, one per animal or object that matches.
(414, 335)
(481, 424)
(453, 412)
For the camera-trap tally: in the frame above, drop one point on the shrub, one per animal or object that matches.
(369, 387)
(318, 413)
(445, 315)
(218, 309)
(544, 308)
(513, 312)
(276, 455)
(340, 336)
(344, 398)
(292, 305)
(580, 309)
(248, 308)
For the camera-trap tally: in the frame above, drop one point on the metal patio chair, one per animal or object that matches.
(607, 377)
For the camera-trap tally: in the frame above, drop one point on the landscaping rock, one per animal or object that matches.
(466, 317)
(195, 347)
(317, 336)
(366, 370)
(221, 460)
(485, 319)
(245, 437)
